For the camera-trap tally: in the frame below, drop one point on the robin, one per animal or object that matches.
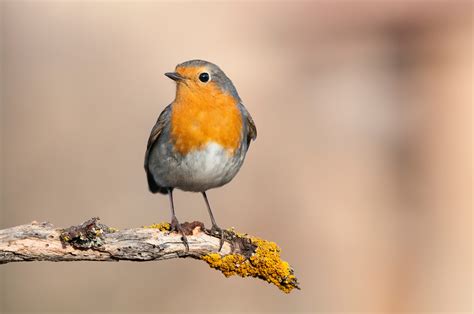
(200, 140)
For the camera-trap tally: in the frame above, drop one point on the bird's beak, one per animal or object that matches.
(175, 76)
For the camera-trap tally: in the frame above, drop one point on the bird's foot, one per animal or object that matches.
(176, 227)
(216, 230)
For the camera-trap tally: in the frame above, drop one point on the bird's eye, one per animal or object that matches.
(204, 77)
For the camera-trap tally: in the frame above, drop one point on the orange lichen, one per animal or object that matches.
(264, 263)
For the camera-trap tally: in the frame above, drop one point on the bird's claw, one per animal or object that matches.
(216, 230)
(176, 227)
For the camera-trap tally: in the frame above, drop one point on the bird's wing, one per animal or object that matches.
(251, 129)
(160, 124)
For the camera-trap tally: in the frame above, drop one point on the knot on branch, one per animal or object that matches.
(88, 235)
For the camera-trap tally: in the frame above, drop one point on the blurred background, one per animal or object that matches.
(361, 171)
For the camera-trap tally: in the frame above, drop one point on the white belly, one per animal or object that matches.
(199, 170)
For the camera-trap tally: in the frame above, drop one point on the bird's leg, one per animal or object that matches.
(215, 228)
(175, 225)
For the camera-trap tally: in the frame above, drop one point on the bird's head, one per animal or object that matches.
(202, 77)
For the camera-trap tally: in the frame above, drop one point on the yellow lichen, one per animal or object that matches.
(264, 263)
(162, 226)
(237, 234)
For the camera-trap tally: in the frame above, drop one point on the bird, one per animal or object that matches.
(200, 140)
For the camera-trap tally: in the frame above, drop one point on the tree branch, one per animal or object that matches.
(92, 241)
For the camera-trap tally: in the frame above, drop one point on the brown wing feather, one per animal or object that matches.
(250, 125)
(251, 129)
(160, 124)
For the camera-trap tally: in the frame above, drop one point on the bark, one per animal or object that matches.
(92, 241)
(96, 242)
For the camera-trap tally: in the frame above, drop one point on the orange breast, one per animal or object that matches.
(198, 118)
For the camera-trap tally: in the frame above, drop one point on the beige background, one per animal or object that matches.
(361, 171)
